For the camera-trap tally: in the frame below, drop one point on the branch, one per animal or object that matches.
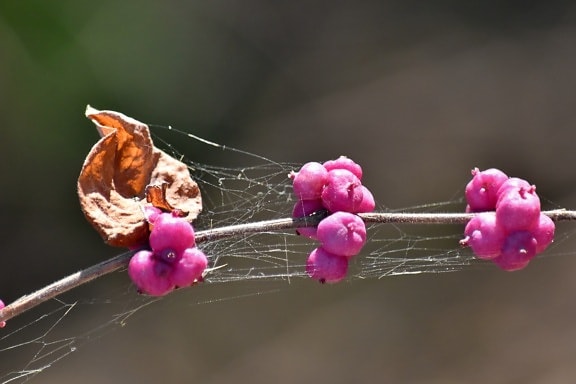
(116, 263)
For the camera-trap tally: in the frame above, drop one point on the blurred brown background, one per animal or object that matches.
(418, 92)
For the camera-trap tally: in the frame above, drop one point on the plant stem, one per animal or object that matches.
(116, 263)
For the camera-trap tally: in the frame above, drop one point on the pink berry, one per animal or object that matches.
(150, 275)
(343, 192)
(309, 181)
(2, 323)
(342, 233)
(519, 248)
(172, 233)
(189, 268)
(515, 183)
(544, 233)
(304, 208)
(326, 267)
(151, 213)
(368, 204)
(518, 209)
(482, 191)
(344, 163)
(484, 236)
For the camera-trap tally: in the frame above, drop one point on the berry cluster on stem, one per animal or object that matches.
(503, 224)
(509, 229)
(335, 187)
(173, 260)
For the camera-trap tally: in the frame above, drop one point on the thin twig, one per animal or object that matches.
(116, 263)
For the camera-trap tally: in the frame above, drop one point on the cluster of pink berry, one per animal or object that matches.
(173, 261)
(336, 187)
(510, 229)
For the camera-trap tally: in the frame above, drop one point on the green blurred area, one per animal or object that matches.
(418, 92)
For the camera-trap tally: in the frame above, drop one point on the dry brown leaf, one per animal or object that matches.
(116, 172)
(156, 195)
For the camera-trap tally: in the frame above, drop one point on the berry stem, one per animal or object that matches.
(116, 263)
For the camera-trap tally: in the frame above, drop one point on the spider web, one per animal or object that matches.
(42, 337)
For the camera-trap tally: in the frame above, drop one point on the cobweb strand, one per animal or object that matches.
(59, 287)
(247, 237)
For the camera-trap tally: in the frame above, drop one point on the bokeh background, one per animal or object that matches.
(418, 92)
